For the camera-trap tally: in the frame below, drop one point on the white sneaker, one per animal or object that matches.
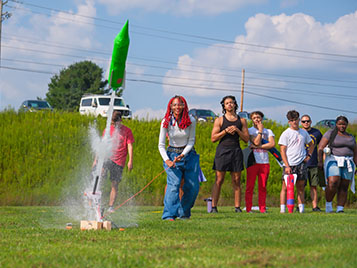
(329, 209)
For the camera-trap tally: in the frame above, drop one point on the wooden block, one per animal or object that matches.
(107, 225)
(91, 225)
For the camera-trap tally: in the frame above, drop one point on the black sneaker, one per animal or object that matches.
(316, 209)
(237, 209)
(214, 210)
(340, 211)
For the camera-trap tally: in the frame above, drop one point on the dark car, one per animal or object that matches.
(326, 123)
(244, 115)
(35, 105)
(203, 115)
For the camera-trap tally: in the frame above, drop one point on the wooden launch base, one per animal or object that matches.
(96, 225)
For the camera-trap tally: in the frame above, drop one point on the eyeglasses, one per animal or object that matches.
(305, 121)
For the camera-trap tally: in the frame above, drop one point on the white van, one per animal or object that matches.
(98, 105)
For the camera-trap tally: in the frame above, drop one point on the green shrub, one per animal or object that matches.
(44, 153)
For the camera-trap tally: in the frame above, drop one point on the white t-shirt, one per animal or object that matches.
(178, 137)
(295, 141)
(261, 155)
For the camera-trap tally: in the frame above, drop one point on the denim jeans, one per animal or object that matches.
(188, 168)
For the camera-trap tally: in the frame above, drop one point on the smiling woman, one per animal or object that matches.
(180, 159)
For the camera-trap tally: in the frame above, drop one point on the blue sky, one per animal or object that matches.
(296, 54)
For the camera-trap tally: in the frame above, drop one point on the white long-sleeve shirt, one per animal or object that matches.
(178, 137)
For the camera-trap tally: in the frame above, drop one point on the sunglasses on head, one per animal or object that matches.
(305, 121)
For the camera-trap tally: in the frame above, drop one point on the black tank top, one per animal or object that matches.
(230, 140)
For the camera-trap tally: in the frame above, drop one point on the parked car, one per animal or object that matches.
(203, 115)
(35, 105)
(326, 123)
(244, 115)
(98, 105)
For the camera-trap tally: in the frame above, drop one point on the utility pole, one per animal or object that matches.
(4, 16)
(242, 91)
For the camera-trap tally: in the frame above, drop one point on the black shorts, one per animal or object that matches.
(300, 170)
(115, 171)
(228, 159)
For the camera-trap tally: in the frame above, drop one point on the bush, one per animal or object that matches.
(46, 152)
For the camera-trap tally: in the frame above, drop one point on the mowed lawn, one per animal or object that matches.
(37, 237)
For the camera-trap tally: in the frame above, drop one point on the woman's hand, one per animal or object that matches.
(170, 163)
(179, 158)
(287, 170)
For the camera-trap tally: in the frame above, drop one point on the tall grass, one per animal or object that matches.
(43, 152)
(39, 153)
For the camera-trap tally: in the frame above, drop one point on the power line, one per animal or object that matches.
(165, 68)
(26, 70)
(52, 44)
(65, 46)
(259, 87)
(34, 62)
(251, 93)
(303, 77)
(299, 82)
(197, 42)
(37, 42)
(209, 38)
(54, 53)
(205, 88)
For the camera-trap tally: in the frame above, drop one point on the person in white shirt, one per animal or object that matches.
(292, 148)
(180, 159)
(260, 140)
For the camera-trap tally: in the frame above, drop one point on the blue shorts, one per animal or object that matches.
(333, 170)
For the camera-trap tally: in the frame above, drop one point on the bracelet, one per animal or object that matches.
(309, 155)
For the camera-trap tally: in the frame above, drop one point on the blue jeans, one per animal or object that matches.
(188, 168)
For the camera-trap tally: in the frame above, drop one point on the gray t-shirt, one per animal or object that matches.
(342, 145)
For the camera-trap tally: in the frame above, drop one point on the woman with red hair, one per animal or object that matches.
(180, 159)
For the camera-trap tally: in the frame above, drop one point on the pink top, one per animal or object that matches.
(121, 138)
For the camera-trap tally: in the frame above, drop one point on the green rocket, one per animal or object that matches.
(120, 52)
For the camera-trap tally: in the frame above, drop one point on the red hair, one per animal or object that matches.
(185, 118)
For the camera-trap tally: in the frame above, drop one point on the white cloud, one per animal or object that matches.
(298, 31)
(180, 7)
(194, 77)
(58, 28)
(149, 114)
(75, 29)
(22, 32)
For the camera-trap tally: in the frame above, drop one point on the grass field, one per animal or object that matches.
(36, 237)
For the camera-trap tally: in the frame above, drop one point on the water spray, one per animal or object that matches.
(116, 81)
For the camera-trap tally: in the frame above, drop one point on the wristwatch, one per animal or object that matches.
(261, 133)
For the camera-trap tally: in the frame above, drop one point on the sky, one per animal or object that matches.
(296, 54)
